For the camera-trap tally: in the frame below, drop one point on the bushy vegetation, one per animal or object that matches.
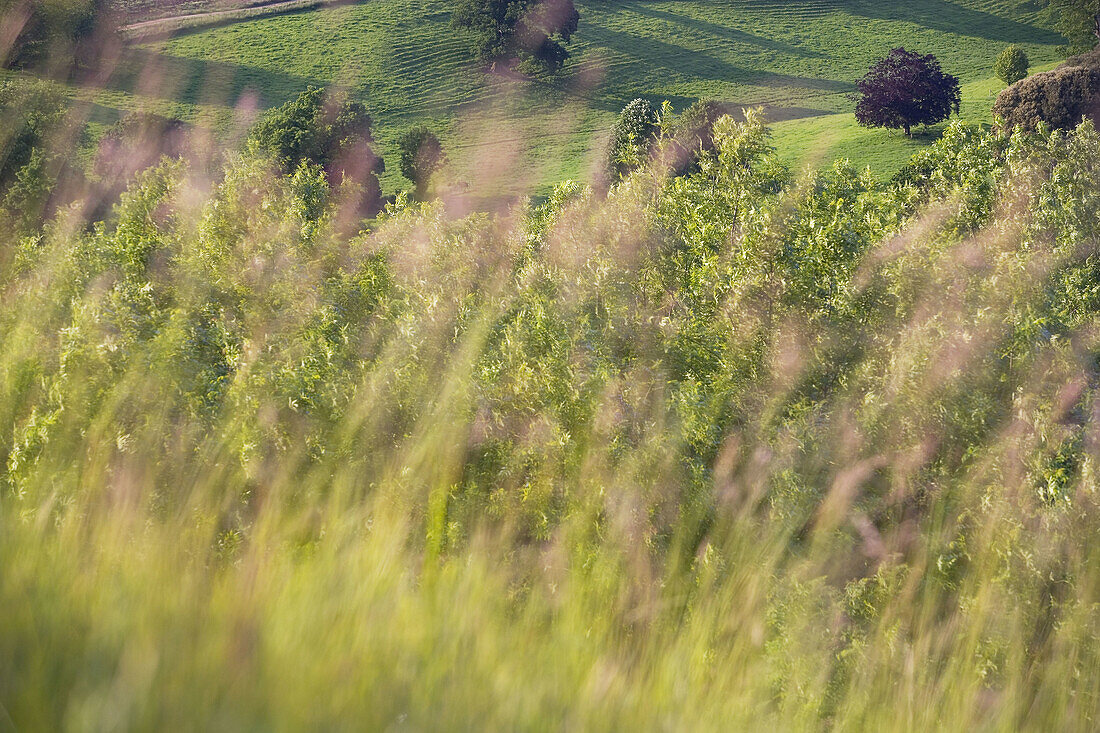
(327, 130)
(45, 32)
(1060, 98)
(727, 449)
(534, 30)
(631, 138)
(1011, 65)
(38, 150)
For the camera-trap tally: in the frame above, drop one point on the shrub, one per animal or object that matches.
(1059, 98)
(904, 89)
(1011, 65)
(631, 137)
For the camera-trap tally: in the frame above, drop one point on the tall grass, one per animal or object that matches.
(726, 450)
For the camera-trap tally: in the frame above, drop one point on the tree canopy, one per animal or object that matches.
(531, 30)
(904, 89)
(1078, 21)
(329, 130)
(1011, 65)
(421, 156)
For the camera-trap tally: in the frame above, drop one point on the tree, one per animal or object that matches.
(421, 156)
(58, 31)
(1078, 21)
(40, 164)
(329, 130)
(631, 137)
(906, 89)
(534, 30)
(1011, 65)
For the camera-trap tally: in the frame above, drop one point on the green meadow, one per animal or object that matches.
(401, 57)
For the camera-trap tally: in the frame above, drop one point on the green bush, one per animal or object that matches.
(1011, 65)
(631, 137)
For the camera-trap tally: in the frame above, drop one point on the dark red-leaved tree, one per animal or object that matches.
(905, 89)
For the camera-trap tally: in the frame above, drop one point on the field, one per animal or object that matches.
(815, 141)
(799, 60)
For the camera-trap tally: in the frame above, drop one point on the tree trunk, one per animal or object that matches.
(1096, 25)
(908, 131)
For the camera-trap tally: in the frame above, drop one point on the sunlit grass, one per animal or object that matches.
(406, 63)
(815, 142)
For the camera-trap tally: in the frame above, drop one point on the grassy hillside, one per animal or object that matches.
(816, 141)
(799, 59)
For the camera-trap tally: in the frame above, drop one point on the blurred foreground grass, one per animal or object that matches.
(731, 449)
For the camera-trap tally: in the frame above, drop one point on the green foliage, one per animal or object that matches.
(1078, 21)
(504, 471)
(313, 128)
(421, 156)
(631, 138)
(50, 32)
(1011, 65)
(38, 149)
(537, 30)
(694, 128)
(328, 130)
(34, 116)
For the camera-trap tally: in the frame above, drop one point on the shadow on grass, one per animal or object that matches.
(196, 81)
(649, 53)
(724, 32)
(774, 113)
(950, 17)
